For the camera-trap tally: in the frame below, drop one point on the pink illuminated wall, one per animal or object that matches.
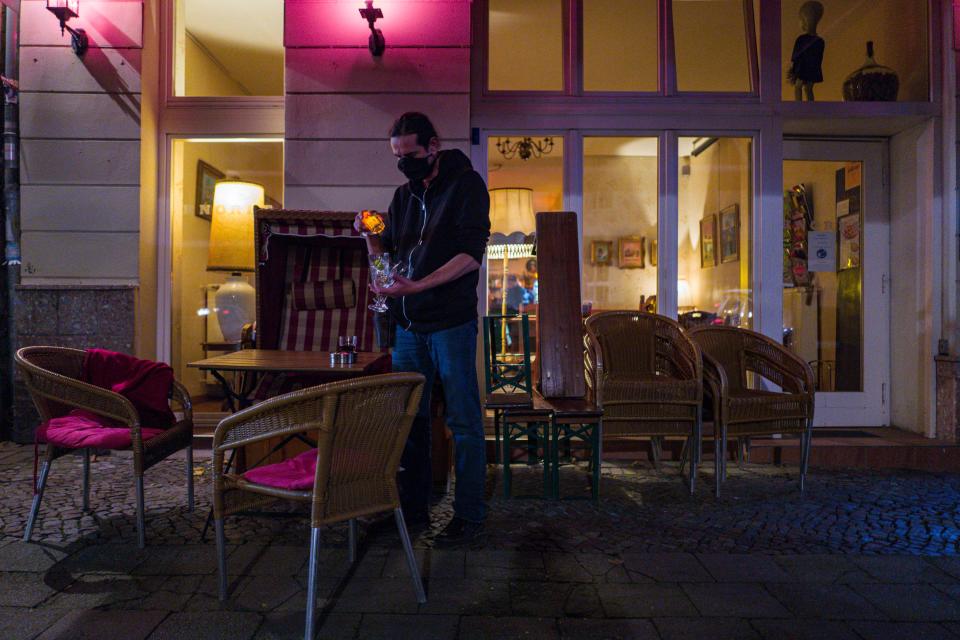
(340, 101)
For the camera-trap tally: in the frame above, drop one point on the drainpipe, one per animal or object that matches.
(10, 214)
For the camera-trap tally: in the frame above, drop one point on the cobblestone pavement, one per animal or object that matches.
(861, 555)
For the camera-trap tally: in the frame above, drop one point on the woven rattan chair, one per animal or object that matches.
(646, 375)
(53, 378)
(360, 426)
(729, 355)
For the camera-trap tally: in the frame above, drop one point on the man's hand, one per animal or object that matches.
(358, 222)
(401, 287)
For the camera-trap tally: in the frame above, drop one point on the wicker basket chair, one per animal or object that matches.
(646, 375)
(361, 427)
(729, 354)
(53, 378)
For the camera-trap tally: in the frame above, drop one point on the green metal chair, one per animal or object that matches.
(507, 373)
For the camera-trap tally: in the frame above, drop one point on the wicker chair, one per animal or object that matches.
(739, 411)
(361, 428)
(53, 378)
(646, 375)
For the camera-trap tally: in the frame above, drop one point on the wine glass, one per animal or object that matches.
(381, 271)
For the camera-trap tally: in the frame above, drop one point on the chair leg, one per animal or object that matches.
(717, 461)
(411, 559)
(496, 436)
(221, 558)
(352, 535)
(37, 497)
(595, 447)
(308, 632)
(683, 454)
(190, 501)
(695, 453)
(656, 451)
(141, 526)
(505, 459)
(806, 440)
(86, 480)
(723, 458)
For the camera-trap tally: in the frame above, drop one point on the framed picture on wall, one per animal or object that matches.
(653, 253)
(207, 177)
(631, 252)
(708, 241)
(730, 234)
(601, 252)
(848, 233)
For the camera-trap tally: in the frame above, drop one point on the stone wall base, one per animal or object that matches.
(81, 317)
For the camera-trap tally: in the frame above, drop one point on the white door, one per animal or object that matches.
(836, 294)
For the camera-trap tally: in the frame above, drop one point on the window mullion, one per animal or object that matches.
(573, 43)
(668, 55)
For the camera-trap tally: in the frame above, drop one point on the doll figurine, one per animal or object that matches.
(807, 59)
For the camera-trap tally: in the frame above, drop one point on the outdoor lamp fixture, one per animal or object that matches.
(376, 42)
(232, 249)
(64, 10)
(525, 148)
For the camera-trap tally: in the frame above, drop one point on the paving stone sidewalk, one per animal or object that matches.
(862, 555)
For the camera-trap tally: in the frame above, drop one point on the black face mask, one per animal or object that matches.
(415, 168)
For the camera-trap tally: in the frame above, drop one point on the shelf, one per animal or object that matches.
(854, 118)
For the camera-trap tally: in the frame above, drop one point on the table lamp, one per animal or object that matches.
(232, 249)
(684, 299)
(513, 222)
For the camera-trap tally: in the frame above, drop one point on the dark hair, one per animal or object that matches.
(414, 122)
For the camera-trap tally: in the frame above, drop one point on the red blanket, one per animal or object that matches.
(145, 383)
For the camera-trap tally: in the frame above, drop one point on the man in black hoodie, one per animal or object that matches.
(438, 223)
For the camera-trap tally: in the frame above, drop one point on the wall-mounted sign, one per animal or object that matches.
(822, 248)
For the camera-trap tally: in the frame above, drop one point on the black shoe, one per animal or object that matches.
(459, 532)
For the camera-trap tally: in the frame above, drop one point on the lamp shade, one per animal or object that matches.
(231, 230)
(511, 209)
(64, 9)
(684, 298)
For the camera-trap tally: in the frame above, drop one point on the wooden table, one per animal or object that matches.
(261, 361)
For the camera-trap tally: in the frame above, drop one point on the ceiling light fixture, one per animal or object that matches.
(376, 42)
(525, 148)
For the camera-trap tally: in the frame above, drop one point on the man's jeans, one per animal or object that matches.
(452, 354)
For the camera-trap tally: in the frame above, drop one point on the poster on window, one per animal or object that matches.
(848, 231)
(822, 251)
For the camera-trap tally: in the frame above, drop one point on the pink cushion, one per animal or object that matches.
(295, 473)
(82, 429)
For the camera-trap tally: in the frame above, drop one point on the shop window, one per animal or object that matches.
(620, 45)
(225, 48)
(714, 252)
(525, 176)
(897, 29)
(620, 203)
(197, 167)
(715, 44)
(525, 45)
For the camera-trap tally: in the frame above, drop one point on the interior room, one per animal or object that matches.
(198, 166)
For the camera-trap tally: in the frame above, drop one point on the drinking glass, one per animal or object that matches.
(381, 271)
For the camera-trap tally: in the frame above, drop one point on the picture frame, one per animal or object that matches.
(601, 252)
(708, 241)
(848, 237)
(207, 178)
(729, 234)
(652, 254)
(631, 252)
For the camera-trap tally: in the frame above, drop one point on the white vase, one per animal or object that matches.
(236, 304)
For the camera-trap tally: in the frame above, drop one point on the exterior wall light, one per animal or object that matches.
(371, 14)
(64, 10)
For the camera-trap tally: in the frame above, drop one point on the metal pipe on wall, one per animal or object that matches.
(10, 213)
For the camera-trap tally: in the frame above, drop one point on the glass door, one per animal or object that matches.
(836, 262)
